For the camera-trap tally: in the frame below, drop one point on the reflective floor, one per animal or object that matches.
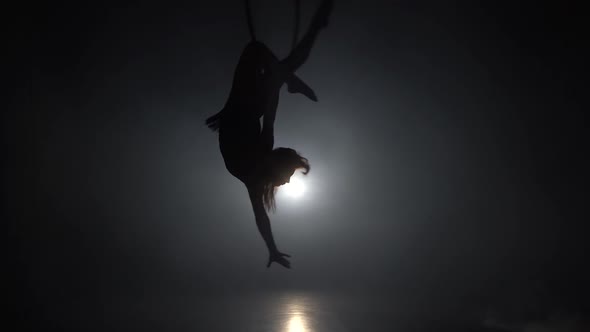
(286, 311)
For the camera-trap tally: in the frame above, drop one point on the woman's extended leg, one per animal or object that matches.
(300, 53)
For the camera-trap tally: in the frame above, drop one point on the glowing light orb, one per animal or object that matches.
(295, 188)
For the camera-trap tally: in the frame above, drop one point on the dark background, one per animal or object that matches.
(447, 153)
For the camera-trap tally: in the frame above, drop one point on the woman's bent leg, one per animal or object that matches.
(300, 53)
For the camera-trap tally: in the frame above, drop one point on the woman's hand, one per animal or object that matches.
(278, 257)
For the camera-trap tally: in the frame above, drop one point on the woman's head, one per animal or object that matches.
(281, 164)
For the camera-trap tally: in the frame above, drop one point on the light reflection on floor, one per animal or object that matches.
(296, 314)
(297, 324)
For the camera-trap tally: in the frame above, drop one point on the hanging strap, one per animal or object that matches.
(249, 19)
(296, 23)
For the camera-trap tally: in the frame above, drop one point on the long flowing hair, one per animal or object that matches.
(280, 158)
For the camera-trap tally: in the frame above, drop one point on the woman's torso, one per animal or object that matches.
(253, 92)
(239, 142)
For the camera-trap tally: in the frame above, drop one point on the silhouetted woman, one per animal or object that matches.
(247, 148)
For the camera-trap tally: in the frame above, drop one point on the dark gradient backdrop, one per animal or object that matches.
(447, 156)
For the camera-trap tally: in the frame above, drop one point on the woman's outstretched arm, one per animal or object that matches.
(263, 223)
